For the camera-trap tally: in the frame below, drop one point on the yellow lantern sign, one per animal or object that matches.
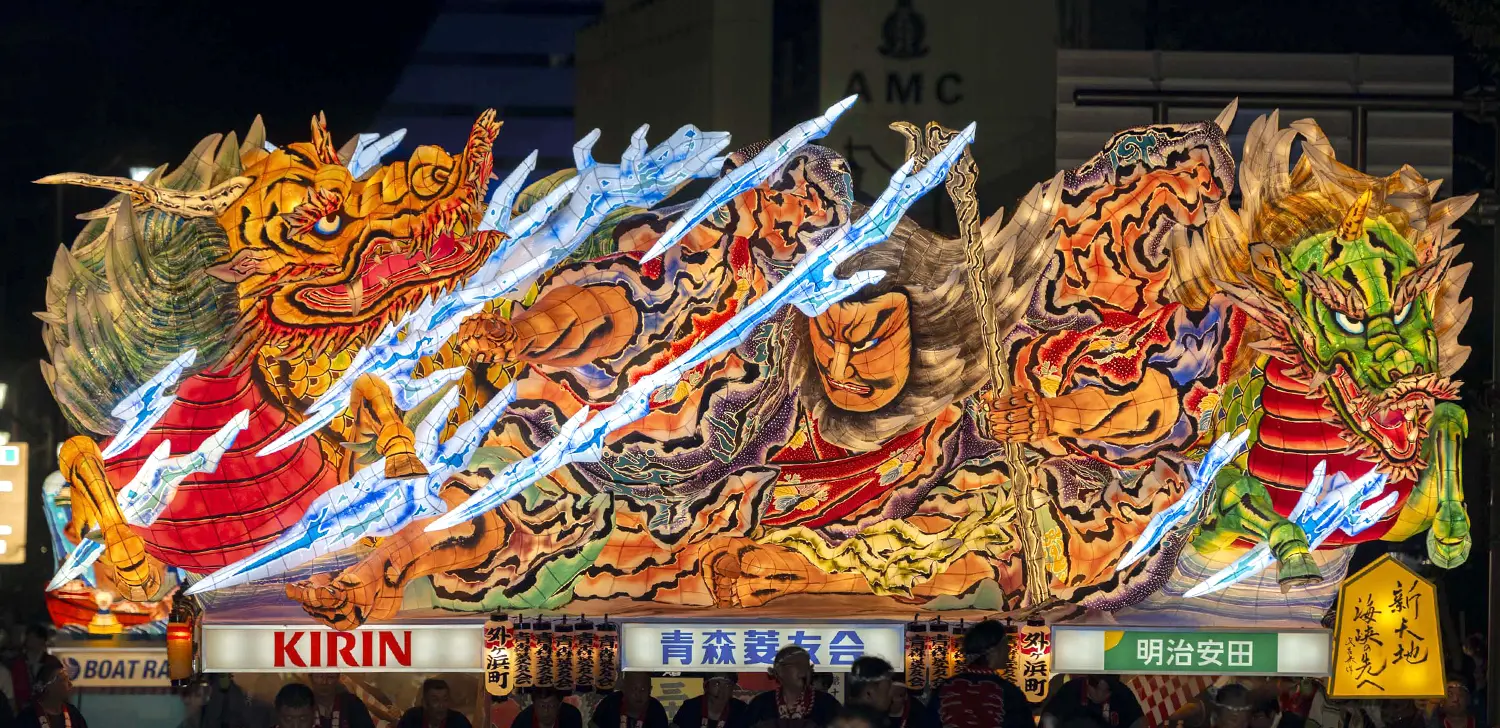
(499, 662)
(1387, 641)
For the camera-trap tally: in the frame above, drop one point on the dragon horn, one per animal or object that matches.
(1226, 117)
(1353, 225)
(211, 202)
(322, 142)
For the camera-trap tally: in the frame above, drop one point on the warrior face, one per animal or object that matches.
(863, 351)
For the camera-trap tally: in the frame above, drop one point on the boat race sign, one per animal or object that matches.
(714, 646)
(115, 667)
(1386, 635)
(390, 648)
(1200, 652)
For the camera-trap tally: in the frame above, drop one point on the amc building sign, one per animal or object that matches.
(388, 648)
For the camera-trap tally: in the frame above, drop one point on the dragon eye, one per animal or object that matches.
(1349, 325)
(328, 224)
(866, 346)
(1403, 314)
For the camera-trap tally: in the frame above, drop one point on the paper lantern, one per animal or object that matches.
(1031, 660)
(938, 641)
(956, 659)
(541, 653)
(608, 659)
(499, 662)
(585, 657)
(916, 656)
(180, 627)
(525, 673)
(562, 656)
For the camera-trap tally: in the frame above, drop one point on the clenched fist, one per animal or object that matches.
(487, 337)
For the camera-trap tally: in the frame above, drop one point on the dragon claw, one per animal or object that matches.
(1297, 570)
(1449, 540)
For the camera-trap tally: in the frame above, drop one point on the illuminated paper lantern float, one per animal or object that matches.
(499, 656)
(638, 360)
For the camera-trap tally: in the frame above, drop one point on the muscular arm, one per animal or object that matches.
(568, 326)
(1137, 416)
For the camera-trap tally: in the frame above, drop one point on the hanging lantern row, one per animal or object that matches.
(572, 656)
(934, 652)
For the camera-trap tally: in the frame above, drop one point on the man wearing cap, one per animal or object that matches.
(716, 707)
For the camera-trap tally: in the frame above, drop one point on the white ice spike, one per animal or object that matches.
(369, 504)
(142, 408)
(1224, 449)
(746, 176)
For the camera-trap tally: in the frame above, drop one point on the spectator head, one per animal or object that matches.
(857, 716)
(546, 705)
(435, 699)
(1474, 646)
(985, 642)
(635, 690)
(792, 667)
(1456, 698)
(324, 684)
(822, 681)
(52, 682)
(1097, 688)
(37, 637)
(1231, 707)
(870, 684)
(1263, 711)
(294, 706)
(720, 685)
(194, 696)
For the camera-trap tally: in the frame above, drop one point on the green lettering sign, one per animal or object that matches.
(1219, 653)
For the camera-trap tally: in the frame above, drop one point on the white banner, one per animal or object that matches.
(382, 648)
(111, 667)
(717, 646)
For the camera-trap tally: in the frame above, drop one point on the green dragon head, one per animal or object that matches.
(1352, 280)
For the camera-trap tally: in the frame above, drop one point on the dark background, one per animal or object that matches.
(101, 86)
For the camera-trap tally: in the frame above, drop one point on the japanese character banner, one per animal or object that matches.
(752, 646)
(499, 656)
(915, 657)
(1387, 635)
(315, 377)
(1031, 660)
